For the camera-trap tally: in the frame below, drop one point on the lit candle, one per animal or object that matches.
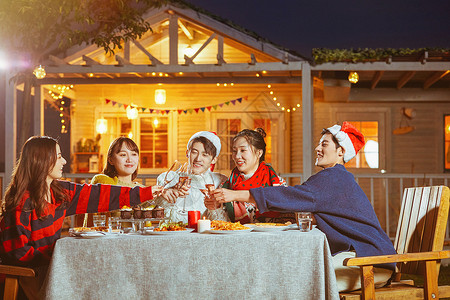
(203, 225)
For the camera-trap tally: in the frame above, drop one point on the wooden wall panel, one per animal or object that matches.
(188, 124)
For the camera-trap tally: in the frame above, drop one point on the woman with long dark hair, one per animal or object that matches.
(36, 203)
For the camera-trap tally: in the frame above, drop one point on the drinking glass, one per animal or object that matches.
(304, 220)
(99, 220)
(115, 226)
(184, 179)
(176, 166)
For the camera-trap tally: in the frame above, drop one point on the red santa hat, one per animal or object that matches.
(349, 138)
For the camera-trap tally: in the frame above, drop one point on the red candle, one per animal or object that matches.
(193, 217)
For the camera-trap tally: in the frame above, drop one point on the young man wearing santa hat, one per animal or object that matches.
(202, 151)
(341, 209)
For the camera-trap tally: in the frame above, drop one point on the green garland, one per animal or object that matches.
(324, 55)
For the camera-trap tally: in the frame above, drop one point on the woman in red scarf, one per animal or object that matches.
(248, 153)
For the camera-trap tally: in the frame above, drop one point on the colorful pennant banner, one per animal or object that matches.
(180, 111)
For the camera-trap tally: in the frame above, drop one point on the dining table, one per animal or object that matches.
(285, 264)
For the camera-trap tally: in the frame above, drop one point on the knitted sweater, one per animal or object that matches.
(342, 210)
(29, 241)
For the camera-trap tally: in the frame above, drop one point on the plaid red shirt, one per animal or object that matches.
(29, 241)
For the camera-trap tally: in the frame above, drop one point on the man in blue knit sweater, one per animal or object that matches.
(341, 209)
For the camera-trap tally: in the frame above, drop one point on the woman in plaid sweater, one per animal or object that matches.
(36, 203)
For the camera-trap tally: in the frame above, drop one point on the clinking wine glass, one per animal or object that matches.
(209, 187)
(169, 177)
(184, 180)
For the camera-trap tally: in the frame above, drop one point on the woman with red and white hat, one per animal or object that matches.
(202, 151)
(341, 209)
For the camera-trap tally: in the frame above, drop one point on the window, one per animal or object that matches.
(447, 142)
(226, 130)
(149, 133)
(154, 142)
(367, 157)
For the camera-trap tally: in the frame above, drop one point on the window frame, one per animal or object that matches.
(278, 135)
(136, 130)
(446, 170)
(381, 115)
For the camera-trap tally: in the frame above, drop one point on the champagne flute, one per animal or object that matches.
(185, 179)
(175, 166)
(209, 187)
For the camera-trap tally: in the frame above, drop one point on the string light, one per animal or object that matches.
(39, 72)
(353, 77)
(61, 115)
(225, 84)
(275, 99)
(60, 91)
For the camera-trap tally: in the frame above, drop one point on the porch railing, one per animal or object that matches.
(385, 191)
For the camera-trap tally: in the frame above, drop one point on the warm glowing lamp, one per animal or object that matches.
(155, 122)
(132, 112)
(188, 51)
(101, 126)
(160, 96)
(39, 72)
(353, 77)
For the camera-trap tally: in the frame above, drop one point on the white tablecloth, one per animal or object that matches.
(276, 265)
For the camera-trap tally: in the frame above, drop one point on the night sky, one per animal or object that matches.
(301, 25)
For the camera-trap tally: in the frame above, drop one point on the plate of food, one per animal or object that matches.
(170, 228)
(222, 227)
(169, 232)
(268, 227)
(77, 231)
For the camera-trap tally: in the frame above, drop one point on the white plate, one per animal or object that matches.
(229, 231)
(295, 227)
(188, 230)
(92, 235)
(267, 228)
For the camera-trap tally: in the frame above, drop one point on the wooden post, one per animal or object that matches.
(11, 287)
(10, 128)
(431, 282)
(173, 40)
(367, 283)
(308, 122)
(38, 111)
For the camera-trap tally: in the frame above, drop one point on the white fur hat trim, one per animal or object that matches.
(344, 141)
(212, 137)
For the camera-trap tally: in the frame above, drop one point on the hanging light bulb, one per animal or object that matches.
(353, 77)
(188, 51)
(155, 123)
(39, 72)
(132, 112)
(160, 96)
(101, 126)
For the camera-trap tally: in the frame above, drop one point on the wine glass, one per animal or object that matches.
(185, 179)
(209, 187)
(168, 179)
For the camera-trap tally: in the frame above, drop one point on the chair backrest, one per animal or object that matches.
(422, 223)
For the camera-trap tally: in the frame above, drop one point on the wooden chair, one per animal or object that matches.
(13, 274)
(419, 242)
